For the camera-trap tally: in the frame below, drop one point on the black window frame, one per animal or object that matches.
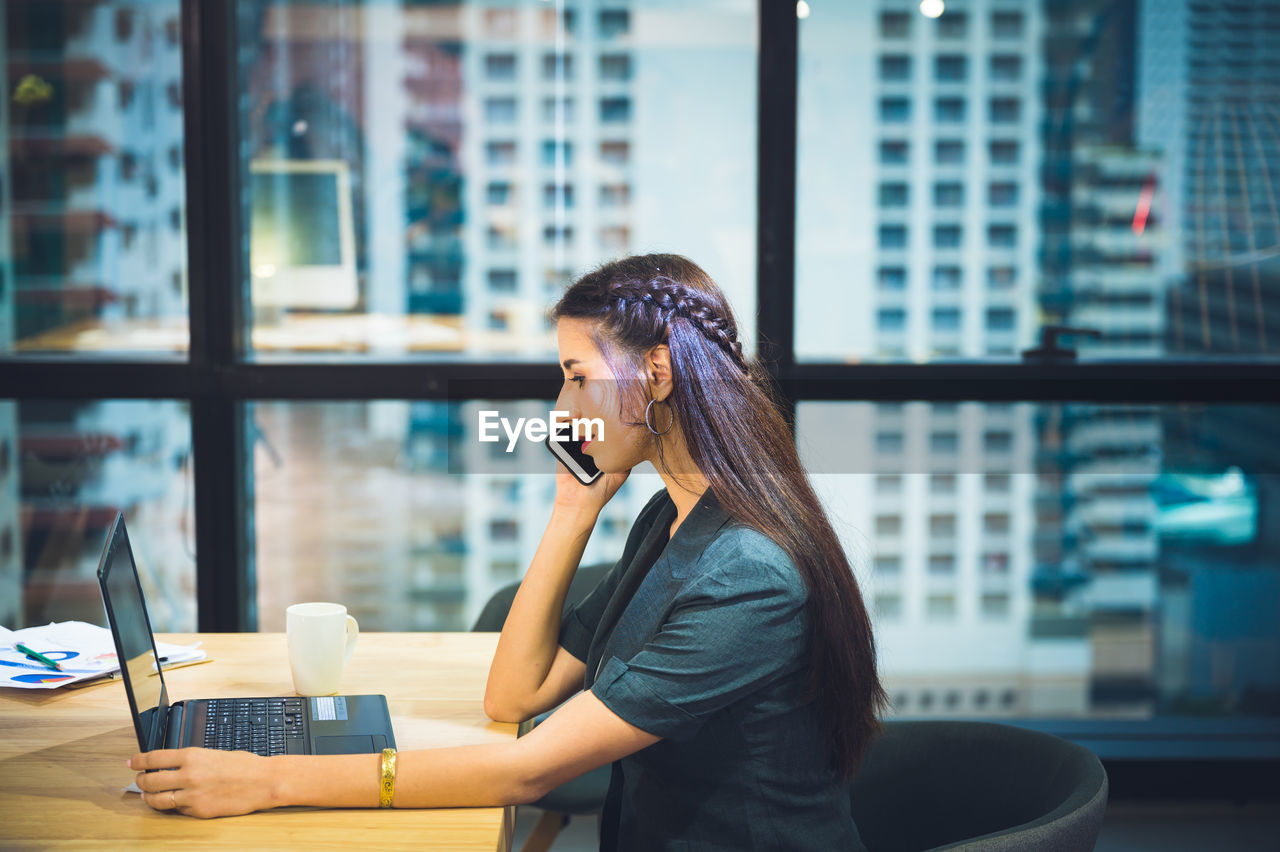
(1170, 757)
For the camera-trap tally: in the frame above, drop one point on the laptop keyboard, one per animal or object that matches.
(265, 726)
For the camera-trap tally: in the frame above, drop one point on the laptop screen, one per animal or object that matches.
(135, 646)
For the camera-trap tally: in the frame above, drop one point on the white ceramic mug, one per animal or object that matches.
(321, 638)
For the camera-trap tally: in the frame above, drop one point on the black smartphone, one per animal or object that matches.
(570, 454)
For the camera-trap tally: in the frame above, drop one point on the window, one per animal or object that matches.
(615, 153)
(893, 236)
(949, 110)
(995, 563)
(949, 151)
(500, 23)
(888, 525)
(995, 605)
(1001, 277)
(893, 152)
(500, 237)
(893, 195)
(551, 23)
(557, 195)
(1006, 68)
(615, 66)
(502, 530)
(498, 193)
(500, 153)
(1002, 194)
(889, 443)
(946, 236)
(997, 441)
(888, 606)
(942, 564)
(615, 238)
(895, 67)
(941, 607)
(500, 110)
(942, 483)
(553, 235)
(557, 66)
(946, 278)
(946, 319)
(997, 483)
(557, 109)
(895, 24)
(895, 110)
(948, 194)
(615, 195)
(951, 69)
(615, 110)
(953, 25)
(500, 66)
(891, 319)
(892, 278)
(614, 23)
(888, 564)
(1005, 110)
(1000, 319)
(1006, 25)
(502, 280)
(995, 523)
(1002, 236)
(556, 149)
(944, 443)
(888, 484)
(1004, 152)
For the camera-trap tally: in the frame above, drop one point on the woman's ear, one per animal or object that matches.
(657, 364)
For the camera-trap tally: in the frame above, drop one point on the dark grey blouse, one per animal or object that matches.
(702, 640)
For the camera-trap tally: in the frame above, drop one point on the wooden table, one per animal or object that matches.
(63, 752)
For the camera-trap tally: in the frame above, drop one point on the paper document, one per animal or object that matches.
(83, 650)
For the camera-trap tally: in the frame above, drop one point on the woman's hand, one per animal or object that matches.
(587, 500)
(205, 783)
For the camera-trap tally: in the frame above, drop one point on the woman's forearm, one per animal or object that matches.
(530, 638)
(464, 776)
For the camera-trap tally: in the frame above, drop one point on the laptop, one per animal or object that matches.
(332, 724)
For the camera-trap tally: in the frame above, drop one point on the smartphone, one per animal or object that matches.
(570, 454)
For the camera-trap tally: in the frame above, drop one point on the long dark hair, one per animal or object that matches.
(731, 415)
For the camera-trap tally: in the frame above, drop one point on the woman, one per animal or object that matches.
(725, 666)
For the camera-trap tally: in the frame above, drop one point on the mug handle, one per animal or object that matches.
(353, 630)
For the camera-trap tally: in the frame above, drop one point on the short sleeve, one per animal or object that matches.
(578, 625)
(734, 629)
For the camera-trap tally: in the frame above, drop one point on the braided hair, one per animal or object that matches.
(733, 422)
(670, 299)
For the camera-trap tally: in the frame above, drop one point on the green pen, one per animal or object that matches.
(37, 656)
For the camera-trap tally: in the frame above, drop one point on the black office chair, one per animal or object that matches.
(584, 794)
(926, 786)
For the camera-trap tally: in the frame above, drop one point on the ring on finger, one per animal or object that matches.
(173, 795)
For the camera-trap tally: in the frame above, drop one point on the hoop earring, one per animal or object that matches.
(647, 409)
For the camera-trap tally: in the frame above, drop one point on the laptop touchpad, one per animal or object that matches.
(361, 744)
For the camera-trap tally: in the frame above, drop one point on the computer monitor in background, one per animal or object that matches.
(302, 240)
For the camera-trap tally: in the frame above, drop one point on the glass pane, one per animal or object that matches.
(1064, 560)
(1077, 164)
(425, 179)
(66, 468)
(394, 509)
(92, 239)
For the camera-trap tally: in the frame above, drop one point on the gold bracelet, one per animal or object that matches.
(388, 788)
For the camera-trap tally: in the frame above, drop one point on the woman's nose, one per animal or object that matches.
(564, 403)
